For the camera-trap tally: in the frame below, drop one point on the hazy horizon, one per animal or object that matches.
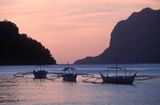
(71, 29)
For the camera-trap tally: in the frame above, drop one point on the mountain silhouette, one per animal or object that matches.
(19, 49)
(134, 40)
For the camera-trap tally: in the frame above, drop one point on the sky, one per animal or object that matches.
(71, 29)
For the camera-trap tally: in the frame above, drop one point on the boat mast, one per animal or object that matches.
(68, 66)
(107, 71)
(116, 69)
(125, 72)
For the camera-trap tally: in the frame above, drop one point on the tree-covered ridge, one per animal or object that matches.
(19, 49)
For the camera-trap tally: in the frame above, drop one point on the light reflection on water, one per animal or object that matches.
(26, 91)
(35, 92)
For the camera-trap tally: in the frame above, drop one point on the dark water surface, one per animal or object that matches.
(26, 91)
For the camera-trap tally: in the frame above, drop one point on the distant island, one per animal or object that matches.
(19, 49)
(134, 40)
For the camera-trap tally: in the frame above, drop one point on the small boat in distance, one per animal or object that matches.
(40, 74)
(69, 74)
(118, 79)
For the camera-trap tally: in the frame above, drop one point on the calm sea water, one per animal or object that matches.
(26, 91)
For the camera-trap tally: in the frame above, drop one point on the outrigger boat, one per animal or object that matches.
(69, 74)
(118, 79)
(40, 74)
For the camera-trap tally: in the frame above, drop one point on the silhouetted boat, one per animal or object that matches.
(40, 74)
(118, 79)
(69, 75)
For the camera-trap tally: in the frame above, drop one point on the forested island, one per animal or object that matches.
(134, 40)
(20, 49)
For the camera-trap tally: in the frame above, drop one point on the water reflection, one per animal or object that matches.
(27, 91)
(7, 90)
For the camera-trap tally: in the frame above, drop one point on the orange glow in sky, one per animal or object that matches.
(71, 29)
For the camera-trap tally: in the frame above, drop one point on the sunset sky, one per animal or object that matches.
(71, 29)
